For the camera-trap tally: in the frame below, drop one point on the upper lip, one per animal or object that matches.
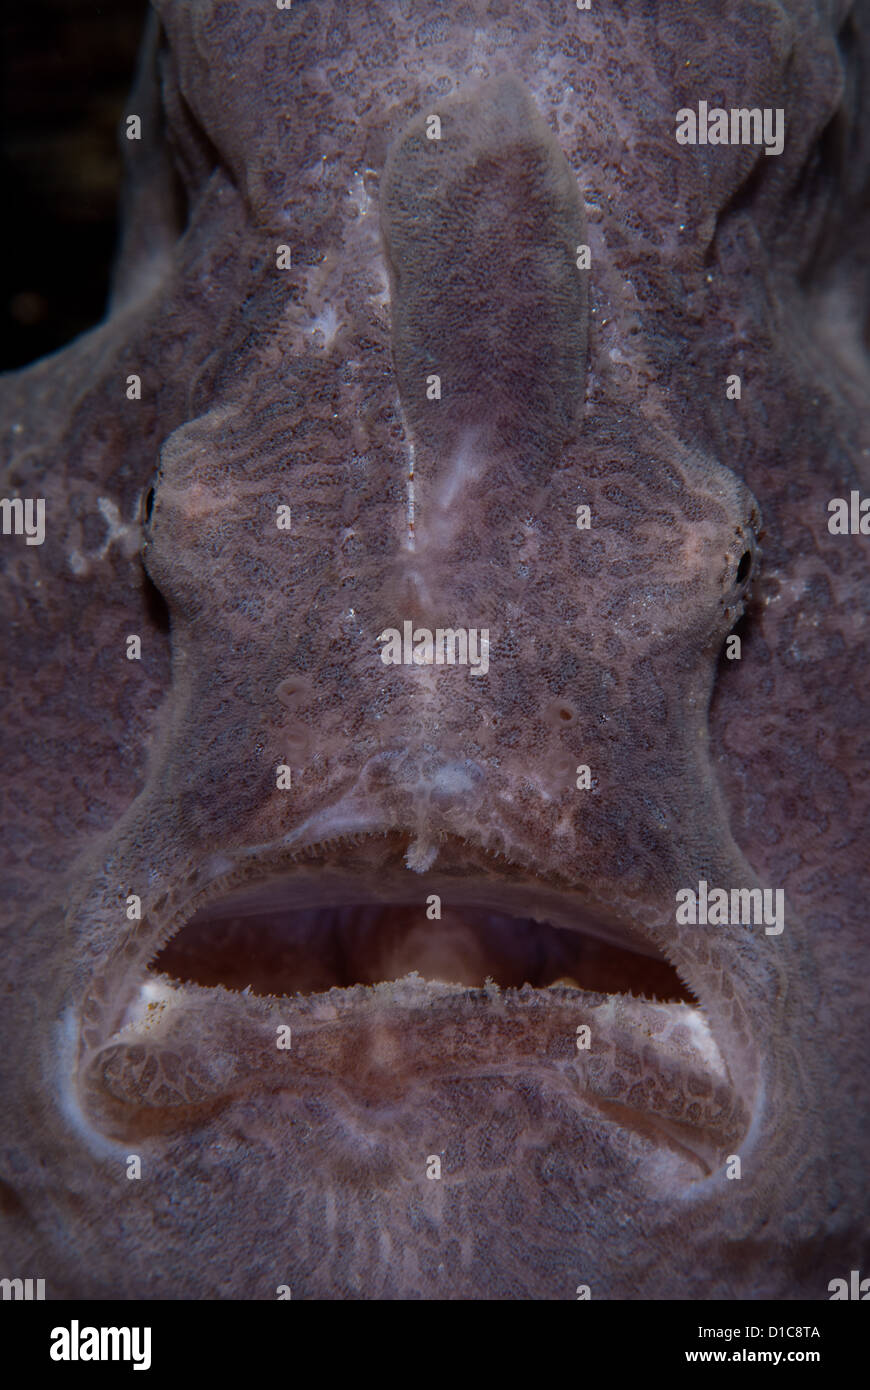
(653, 1068)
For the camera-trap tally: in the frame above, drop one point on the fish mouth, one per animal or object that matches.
(337, 969)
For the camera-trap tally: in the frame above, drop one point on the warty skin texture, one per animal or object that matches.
(263, 387)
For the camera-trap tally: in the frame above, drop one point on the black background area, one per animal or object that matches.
(67, 68)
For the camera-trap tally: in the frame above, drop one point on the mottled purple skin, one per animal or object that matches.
(262, 387)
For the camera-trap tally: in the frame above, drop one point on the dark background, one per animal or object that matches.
(67, 67)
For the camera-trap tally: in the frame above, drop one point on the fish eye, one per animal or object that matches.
(149, 498)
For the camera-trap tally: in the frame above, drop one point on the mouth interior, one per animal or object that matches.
(276, 950)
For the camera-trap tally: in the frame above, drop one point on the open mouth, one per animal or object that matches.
(273, 947)
(371, 979)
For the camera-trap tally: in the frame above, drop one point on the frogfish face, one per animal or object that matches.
(379, 969)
